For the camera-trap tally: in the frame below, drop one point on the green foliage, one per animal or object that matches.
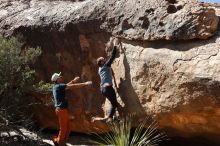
(31, 55)
(16, 78)
(15, 74)
(146, 134)
(43, 87)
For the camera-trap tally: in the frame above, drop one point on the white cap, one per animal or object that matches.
(55, 76)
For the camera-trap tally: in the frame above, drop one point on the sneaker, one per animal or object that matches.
(54, 141)
(109, 120)
(116, 119)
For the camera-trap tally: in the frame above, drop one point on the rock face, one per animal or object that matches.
(177, 82)
(133, 20)
(168, 70)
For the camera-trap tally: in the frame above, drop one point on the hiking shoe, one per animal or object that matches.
(109, 120)
(54, 141)
(116, 119)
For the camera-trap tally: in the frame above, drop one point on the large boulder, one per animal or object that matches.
(133, 20)
(178, 82)
(168, 70)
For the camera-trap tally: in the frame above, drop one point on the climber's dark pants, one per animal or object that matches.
(109, 93)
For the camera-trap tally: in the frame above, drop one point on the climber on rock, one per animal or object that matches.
(61, 105)
(105, 73)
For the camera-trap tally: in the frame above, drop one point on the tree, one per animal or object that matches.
(16, 78)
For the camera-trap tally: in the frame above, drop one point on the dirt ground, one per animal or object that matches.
(78, 139)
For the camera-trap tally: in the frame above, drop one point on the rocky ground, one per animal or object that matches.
(42, 139)
(77, 139)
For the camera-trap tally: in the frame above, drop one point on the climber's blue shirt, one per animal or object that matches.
(59, 94)
(105, 72)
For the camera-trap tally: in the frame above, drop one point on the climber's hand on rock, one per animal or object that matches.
(109, 45)
(116, 41)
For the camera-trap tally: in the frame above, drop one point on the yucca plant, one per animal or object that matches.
(145, 134)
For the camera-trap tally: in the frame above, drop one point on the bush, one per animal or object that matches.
(43, 87)
(16, 78)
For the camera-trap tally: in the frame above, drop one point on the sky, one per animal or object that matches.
(211, 1)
